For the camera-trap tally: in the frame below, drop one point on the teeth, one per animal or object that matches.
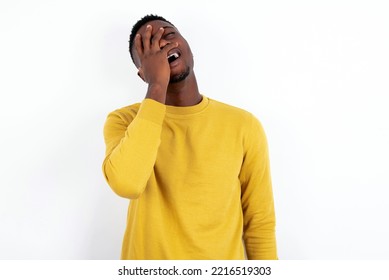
(172, 57)
(175, 55)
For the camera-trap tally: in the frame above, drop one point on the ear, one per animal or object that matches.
(140, 74)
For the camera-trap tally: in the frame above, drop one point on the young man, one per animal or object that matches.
(196, 170)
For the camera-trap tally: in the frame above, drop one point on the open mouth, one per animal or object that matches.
(173, 56)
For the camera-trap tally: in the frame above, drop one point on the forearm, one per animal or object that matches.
(157, 92)
(259, 217)
(128, 166)
(260, 240)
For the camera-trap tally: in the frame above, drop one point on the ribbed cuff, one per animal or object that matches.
(152, 110)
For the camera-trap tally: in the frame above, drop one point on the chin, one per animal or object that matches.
(179, 77)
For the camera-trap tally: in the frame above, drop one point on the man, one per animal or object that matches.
(196, 170)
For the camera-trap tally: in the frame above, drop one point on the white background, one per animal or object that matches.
(314, 72)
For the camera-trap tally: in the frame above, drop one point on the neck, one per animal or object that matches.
(184, 93)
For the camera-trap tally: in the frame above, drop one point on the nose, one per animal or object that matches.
(163, 43)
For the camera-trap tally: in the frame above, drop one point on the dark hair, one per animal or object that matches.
(139, 24)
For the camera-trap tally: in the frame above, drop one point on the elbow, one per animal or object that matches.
(122, 183)
(125, 190)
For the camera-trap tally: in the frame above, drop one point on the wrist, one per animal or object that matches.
(157, 92)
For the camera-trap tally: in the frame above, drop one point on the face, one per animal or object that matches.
(181, 58)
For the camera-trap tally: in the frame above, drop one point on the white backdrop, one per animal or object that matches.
(315, 74)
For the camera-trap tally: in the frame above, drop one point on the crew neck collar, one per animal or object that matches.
(187, 110)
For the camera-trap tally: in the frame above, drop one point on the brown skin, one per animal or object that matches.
(152, 44)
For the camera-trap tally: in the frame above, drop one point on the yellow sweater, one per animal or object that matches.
(198, 178)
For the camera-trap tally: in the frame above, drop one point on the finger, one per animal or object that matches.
(169, 47)
(156, 38)
(146, 38)
(138, 44)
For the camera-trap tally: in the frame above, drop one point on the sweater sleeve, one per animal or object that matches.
(257, 197)
(131, 148)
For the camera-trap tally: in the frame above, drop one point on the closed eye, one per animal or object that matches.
(169, 35)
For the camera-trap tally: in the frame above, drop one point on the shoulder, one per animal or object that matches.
(233, 113)
(241, 120)
(125, 114)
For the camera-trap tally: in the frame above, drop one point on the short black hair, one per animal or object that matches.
(139, 24)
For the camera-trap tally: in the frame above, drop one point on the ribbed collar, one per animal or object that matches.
(177, 111)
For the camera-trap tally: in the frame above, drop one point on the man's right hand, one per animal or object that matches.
(154, 67)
